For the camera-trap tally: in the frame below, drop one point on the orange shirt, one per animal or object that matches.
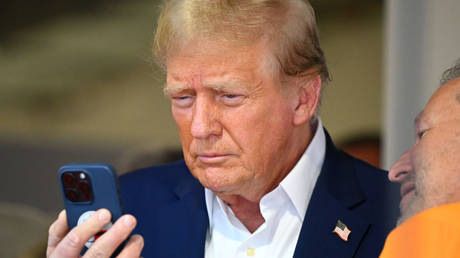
(432, 233)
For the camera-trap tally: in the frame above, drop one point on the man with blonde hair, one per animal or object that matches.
(261, 176)
(429, 174)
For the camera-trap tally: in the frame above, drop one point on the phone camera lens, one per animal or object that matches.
(84, 186)
(68, 179)
(85, 190)
(87, 197)
(77, 186)
(72, 195)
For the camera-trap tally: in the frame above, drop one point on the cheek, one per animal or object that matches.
(183, 123)
(429, 166)
(262, 132)
(441, 167)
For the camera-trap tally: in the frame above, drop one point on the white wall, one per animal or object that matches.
(422, 40)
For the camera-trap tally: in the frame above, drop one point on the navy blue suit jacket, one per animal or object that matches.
(169, 204)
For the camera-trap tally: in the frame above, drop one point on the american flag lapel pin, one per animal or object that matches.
(342, 230)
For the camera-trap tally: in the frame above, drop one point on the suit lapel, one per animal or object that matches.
(186, 238)
(337, 192)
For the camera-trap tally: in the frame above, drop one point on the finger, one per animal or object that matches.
(110, 240)
(73, 242)
(133, 248)
(56, 232)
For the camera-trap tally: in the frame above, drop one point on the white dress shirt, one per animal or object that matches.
(283, 209)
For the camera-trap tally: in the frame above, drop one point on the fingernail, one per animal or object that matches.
(141, 240)
(128, 221)
(138, 238)
(103, 215)
(61, 214)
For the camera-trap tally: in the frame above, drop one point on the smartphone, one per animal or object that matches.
(87, 187)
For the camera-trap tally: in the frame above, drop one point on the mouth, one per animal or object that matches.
(407, 191)
(213, 158)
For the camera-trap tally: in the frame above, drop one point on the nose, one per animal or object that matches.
(205, 122)
(401, 168)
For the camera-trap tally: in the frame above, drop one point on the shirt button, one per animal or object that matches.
(251, 251)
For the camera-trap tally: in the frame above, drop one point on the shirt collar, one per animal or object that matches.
(300, 181)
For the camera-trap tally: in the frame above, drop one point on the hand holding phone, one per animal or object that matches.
(65, 243)
(92, 206)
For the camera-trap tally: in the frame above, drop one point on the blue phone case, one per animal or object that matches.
(105, 193)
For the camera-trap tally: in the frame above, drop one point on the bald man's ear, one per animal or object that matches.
(309, 90)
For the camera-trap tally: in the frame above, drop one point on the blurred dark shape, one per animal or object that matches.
(344, 7)
(364, 147)
(24, 230)
(17, 15)
(31, 168)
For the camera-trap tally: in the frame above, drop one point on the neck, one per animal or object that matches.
(247, 212)
(246, 207)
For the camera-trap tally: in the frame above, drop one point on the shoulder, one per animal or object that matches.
(361, 186)
(366, 173)
(149, 185)
(374, 181)
(379, 205)
(153, 196)
(430, 233)
(381, 196)
(345, 166)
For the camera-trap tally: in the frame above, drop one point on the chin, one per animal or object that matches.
(411, 209)
(215, 179)
(225, 185)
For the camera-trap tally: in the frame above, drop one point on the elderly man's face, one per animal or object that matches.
(429, 172)
(235, 120)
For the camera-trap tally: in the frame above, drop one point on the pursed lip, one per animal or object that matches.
(407, 188)
(407, 194)
(213, 158)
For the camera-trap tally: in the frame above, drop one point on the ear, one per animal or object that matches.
(308, 99)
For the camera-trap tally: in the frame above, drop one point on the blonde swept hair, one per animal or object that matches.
(289, 26)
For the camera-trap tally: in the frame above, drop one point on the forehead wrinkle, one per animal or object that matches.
(178, 83)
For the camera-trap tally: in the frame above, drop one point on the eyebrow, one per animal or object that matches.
(233, 84)
(418, 118)
(219, 86)
(170, 90)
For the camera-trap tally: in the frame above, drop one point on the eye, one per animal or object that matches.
(182, 101)
(420, 134)
(231, 99)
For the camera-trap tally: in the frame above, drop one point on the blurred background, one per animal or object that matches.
(77, 84)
